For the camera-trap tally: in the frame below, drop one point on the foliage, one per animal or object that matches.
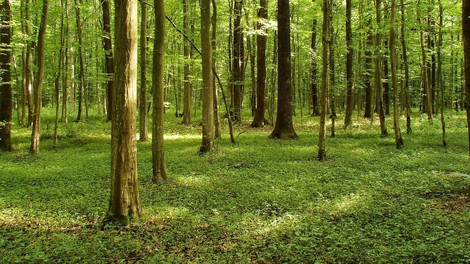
(258, 201)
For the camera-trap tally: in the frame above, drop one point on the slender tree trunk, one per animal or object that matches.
(386, 78)
(378, 70)
(81, 72)
(143, 76)
(187, 55)
(38, 82)
(217, 129)
(332, 89)
(23, 59)
(109, 60)
(125, 201)
(314, 89)
(207, 89)
(238, 60)
(159, 167)
(349, 68)
(406, 70)
(393, 64)
(6, 99)
(28, 67)
(284, 128)
(440, 79)
(261, 39)
(368, 75)
(466, 45)
(59, 72)
(425, 79)
(66, 64)
(324, 87)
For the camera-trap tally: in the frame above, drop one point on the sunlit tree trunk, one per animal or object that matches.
(143, 75)
(261, 39)
(28, 63)
(159, 167)
(324, 76)
(207, 89)
(6, 99)
(38, 82)
(125, 201)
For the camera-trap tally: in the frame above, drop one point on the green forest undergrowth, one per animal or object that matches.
(260, 200)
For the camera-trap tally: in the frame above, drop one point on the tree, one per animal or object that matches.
(207, 89)
(125, 201)
(393, 64)
(466, 48)
(187, 56)
(405, 69)
(159, 167)
(284, 127)
(6, 100)
(440, 80)
(27, 63)
(378, 69)
(143, 77)
(349, 68)
(324, 76)
(81, 69)
(38, 82)
(314, 89)
(217, 128)
(59, 71)
(238, 61)
(108, 56)
(261, 39)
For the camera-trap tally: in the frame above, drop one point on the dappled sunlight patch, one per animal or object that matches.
(260, 226)
(344, 205)
(181, 136)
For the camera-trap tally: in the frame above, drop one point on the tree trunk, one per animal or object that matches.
(81, 72)
(6, 100)
(66, 64)
(393, 65)
(28, 63)
(187, 56)
(261, 39)
(425, 78)
(217, 128)
(368, 75)
(238, 60)
(314, 89)
(125, 201)
(59, 72)
(143, 127)
(349, 68)
(386, 78)
(109, 61)
(38, 82)
(284, 128)
(466, 45)
(440, 79)
(324, 87)
(378, 70)
(332, 89)
(405, 67)
(159, 167)
(207, 89)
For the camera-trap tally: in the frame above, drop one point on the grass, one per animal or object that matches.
(261, 200)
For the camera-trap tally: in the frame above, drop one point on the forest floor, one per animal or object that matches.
(260, 200)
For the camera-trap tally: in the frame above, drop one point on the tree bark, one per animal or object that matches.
(158, 157)
(466, 45)
(28, 63)
(217, 128)
(143, 126)
(368, 75)
(81, 72)
(38, 82)
(314, 89)
(261, 40)
(425, 78)
(406, 70)
(125, 201)
(378, 70)
(187, 56)
(60, 71)
(393, 65)
(6, 99)
(109, 60)
(284, 128)
(349, 68)
(440, 79)
(207, 89)
(324, 87)
(238, 60)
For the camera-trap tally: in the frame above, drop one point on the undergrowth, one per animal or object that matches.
(260, 200)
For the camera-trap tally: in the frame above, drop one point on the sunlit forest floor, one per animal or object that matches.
(260, 200)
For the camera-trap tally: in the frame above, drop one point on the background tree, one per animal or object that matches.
(466, 47)
(378, 68)
(125, 201)
(349, 68)
(327, 6)
(38, 82)
(143, 76)
(187, 56)
(108, 53)
(284, 127)
(159, 167)
(6, 103)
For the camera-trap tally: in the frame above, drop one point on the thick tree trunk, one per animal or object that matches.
(187, 56)
(261, 39)
(466, 45)
(284, 128)
(393, 65)
(158, 157)
(143, 127)
(349, 68)
(207, 89)
(324, 87)
(38, 82)
(406, 70)
(125, 201)
(6, 99)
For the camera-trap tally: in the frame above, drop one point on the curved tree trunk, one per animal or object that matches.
(125, 201)
(6, 100)
(284, 128)
(159, 167)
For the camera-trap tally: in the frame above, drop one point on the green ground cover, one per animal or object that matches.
(261, 200)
